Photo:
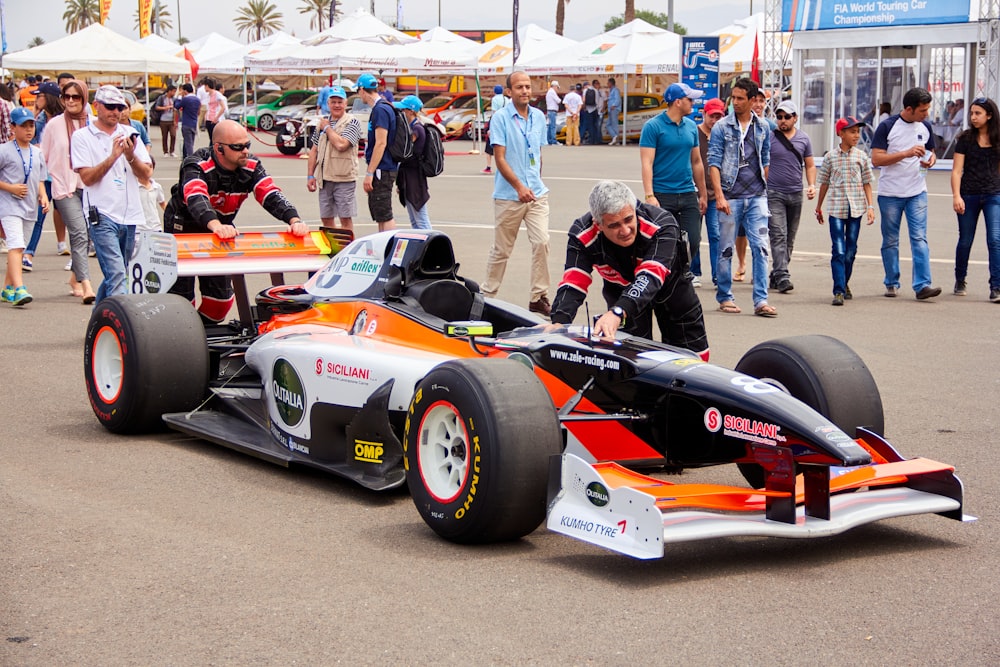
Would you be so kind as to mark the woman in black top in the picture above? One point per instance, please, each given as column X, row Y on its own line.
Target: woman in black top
column 975, row 187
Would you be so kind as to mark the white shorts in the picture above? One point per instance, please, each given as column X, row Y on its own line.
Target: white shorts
column 17, row 229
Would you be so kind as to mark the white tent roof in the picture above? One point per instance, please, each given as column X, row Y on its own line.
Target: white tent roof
column 497, row 55
column 634, row 48
column 161, row 44
column 231, row 62
column 439, row 35
column 360, row 56
column 360, row 25
column 736, row 43
column 95, row 49
column 211, row 46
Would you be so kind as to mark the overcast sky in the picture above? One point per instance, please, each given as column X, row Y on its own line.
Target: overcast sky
column 26, row 19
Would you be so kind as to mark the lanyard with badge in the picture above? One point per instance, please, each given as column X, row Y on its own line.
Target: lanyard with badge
column 25, row 165
column 517, row 122
column 743, row 162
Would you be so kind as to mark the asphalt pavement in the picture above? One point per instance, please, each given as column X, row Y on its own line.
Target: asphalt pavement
column 164, row 549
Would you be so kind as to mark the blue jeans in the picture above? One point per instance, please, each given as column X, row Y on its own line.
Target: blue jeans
column 752, row 214
column 113, row 243
column 967, row 222
column 419, row 218
column 892, row 209
column 786, row 209
column 36, row 232
column 189, row 135
column 684, row 207
column 712, row 231
column 844, row 235
column 552, row 127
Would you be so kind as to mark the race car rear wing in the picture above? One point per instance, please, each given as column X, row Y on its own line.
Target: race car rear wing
column 160, row 258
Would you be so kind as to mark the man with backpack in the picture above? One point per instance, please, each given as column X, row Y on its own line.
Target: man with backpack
column 411, row 180
column 382, row 165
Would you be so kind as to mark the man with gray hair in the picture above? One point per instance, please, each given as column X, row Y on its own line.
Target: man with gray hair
column 641, row 253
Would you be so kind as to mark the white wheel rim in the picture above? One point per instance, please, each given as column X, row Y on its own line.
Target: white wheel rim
column 107, row 365
column 443, row 452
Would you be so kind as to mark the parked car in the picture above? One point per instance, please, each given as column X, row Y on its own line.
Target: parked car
column 447, row 101
column 262, row 116
column 641, row 108
column 295, row 130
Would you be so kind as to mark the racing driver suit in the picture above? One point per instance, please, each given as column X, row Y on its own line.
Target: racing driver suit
column 650, row 276
column 206, row 192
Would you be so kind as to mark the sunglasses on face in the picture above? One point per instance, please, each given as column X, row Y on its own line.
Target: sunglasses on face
column 781, row 116
column 114, row 107
column 236, row 148
column 980, row 101
column 69, row 97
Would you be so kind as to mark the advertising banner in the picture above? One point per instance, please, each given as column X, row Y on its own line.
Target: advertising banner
column 833, row 14
column 700, row 69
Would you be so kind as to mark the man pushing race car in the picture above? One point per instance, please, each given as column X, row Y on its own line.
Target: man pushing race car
column 637, row 250
column 213, row 184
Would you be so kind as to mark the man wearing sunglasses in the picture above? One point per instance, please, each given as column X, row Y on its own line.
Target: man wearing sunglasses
column 213, row 184
column 109, row 157
column 791, row 156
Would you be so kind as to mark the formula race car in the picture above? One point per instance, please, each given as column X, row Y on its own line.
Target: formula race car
column 387, row 367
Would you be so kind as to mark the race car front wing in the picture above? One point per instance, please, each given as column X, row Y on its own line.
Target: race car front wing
column 635, row 514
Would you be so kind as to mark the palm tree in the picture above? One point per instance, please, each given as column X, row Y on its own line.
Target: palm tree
column 81, row 13
column 321, row 9
column 258, row 19
column 159, row 18
column 560, row 15
column 629, row 11
column 35, row 41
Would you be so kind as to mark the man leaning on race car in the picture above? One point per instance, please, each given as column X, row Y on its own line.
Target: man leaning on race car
column 214, row 182
column 636, row 249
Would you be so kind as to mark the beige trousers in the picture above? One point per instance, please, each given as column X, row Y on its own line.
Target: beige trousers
column 509, row 215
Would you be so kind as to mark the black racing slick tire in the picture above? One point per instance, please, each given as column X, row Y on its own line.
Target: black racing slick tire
column 291, row 148
column 825, row 374
column 143, row 356
column 479, row 435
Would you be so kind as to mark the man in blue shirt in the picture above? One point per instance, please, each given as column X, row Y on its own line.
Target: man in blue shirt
column 673, row 177
column 189, row 105
column 518, row 133
column 381, row 173
column 614, row 108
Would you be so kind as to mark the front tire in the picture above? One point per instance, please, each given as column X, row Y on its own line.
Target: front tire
column 478, row 438
column 265, row 122
column 144, row 356
column 825, row 374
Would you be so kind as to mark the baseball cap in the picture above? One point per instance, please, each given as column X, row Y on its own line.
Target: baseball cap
column 49, row 88
column 788, row 107
column 714, row 106
column 108, row 95
column 411, row 102
column 337, row 91
column 579, row 86
column 20, row 115
column 849, row 121
column 497, row 89
column 368, row 82
column 554, row 83
column 678, row 91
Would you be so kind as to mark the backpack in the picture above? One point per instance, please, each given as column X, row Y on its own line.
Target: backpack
column 432, row 160
column 154, row 113
column 401, row 143
column 591, row 98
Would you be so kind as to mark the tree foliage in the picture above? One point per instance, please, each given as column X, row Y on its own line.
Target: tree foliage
column 35, row 41
column 81, row 13
column 258, row 19
column 159, row 19
column 654, row 18
column 320, row 9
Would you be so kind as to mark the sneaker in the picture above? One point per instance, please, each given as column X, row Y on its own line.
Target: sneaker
column 891, row 291
column 838, row 299
column 90, row 250
column 995, row 295
column 26, row 264
column 7, row 295
column 69, row 266
column 785, row 286
column 21, row 297
column 542, row 306
column 960, row 288
column 486, row 171
column 928, row 292
column 62, row 248
column 847, row 292
column 696, row 281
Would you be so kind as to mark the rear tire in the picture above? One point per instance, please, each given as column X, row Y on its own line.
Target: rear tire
column 265, row 122
column 288, row 149
column 478, row 438
column 143, row 356
column 825, row 374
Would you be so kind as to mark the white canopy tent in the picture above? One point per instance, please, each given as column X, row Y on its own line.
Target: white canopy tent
column 634, row 48
column 161, row 44
column 736, row 42
column 497, row 55
column 211, row 46
column 360, row 25
column 232, row 61
column 96, row 50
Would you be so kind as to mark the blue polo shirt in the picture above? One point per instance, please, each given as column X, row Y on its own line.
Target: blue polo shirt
column 522, row 139
column 672, row 173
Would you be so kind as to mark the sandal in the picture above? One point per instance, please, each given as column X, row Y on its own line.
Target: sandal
column 765, row 310
column 729, row 307
column 89, row 299
column 738, row 276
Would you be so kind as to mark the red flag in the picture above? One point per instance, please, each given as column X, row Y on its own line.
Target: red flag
column 194, row 64
column 755, row 61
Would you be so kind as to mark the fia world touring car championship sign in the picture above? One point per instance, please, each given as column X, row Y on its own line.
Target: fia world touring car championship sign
column 832, row 14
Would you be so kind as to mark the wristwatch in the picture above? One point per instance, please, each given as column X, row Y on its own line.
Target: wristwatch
column 620, row 312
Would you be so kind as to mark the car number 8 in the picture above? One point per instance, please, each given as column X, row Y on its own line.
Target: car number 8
column 753, row 385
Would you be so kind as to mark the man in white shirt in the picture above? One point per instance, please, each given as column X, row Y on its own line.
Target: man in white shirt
column 573, row 103
column 552, row 102
column 109, row 157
